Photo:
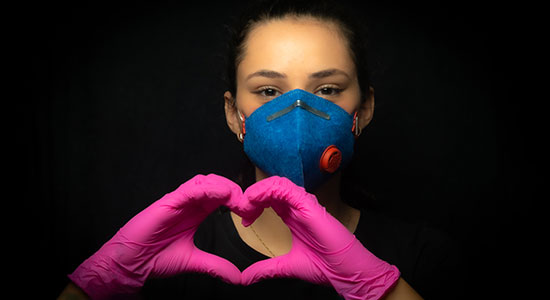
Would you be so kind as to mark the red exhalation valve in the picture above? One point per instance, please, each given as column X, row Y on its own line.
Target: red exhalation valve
column 331, row 159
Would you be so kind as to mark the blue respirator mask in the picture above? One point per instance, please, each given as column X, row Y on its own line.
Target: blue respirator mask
column 300, row 136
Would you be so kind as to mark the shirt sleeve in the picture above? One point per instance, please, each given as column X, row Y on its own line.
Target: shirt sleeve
column 439, row 270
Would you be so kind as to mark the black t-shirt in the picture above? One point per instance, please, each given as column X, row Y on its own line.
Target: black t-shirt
column 427, row 259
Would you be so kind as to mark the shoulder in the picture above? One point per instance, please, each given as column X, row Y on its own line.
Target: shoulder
column 382, row 231
column 428, row 258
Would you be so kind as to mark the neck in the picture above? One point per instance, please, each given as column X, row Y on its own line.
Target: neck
column 328, row 196
column 269, row 234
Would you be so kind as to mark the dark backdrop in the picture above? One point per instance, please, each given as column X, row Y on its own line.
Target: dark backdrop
column 124, row 102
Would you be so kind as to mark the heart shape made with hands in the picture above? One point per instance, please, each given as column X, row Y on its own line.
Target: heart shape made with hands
column 159, row 242
column 182, row 211
column 323, row 250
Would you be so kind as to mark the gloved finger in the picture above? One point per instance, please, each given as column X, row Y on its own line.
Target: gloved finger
column 215, row 266
column 248, row 211
column 184, row 208
column 286, row 198
column 250, row 216
column 207, row 192
column 276, row 267
column 262, row 194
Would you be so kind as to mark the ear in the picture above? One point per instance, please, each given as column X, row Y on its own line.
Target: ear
column 231, row 113
column 366, row 110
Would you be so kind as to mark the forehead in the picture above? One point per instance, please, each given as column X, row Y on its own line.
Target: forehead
column 296, row 44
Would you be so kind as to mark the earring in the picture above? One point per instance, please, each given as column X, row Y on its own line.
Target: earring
column 241, row 134
column 356, row 129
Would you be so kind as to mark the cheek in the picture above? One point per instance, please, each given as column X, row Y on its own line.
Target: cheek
column 247, row 104
column 350, row 106
column 351, row 101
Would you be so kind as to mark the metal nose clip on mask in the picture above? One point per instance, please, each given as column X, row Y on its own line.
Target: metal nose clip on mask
column 300, row 136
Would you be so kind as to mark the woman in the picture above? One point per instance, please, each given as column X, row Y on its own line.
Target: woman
column 297, row 98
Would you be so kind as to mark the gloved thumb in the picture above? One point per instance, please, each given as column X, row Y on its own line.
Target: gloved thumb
column 266, row 269
column 215, row 266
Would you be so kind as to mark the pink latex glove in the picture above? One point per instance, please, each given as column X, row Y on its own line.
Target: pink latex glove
column 159, row 241
column 323, row 250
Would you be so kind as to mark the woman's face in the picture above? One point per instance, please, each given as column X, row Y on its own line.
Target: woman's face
column 282, row 55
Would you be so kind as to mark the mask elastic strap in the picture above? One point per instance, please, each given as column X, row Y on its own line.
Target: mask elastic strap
column 356, row 129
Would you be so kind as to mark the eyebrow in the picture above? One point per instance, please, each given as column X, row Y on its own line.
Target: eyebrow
column 327, row 73
column 266, row 73
column 316, row 75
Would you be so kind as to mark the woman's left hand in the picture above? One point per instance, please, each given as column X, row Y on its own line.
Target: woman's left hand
column 323, row 250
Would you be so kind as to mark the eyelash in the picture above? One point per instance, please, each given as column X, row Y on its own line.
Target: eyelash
column 262, row 90
column 336, row 90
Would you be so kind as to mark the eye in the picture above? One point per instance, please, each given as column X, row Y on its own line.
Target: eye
column 267, row 92
column 328, row 91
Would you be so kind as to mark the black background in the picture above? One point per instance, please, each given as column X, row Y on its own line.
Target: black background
column 124, row 102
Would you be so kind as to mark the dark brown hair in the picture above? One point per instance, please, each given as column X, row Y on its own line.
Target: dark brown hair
column 350, row 25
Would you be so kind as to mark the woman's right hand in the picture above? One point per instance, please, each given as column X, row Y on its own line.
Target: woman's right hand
column 158, row 241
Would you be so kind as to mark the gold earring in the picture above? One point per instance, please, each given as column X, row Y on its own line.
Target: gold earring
column 241, row 134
